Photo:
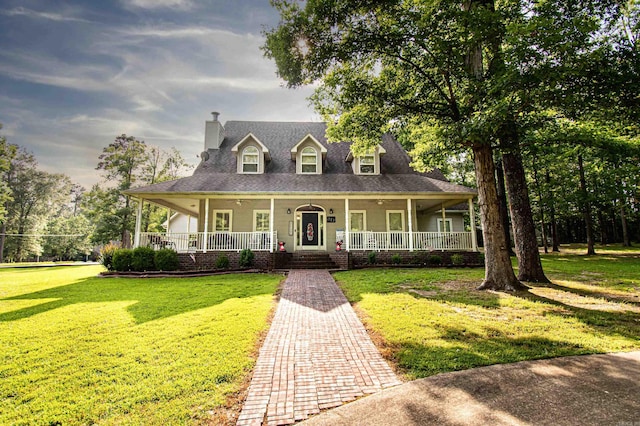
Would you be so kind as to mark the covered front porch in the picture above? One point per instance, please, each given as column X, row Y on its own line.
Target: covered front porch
column 318, row 223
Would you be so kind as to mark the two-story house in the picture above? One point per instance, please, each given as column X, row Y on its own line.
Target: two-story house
column 279, row 187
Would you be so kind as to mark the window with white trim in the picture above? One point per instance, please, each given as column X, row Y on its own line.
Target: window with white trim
column 367, row 164
column 309, row 160
column 395, row 220
column 250, row 160
column 448, row 225
column 357, row 220
column 222, row 220
column 261, row 220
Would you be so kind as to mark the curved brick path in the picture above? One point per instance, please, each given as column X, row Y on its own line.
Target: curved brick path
column 317, row 355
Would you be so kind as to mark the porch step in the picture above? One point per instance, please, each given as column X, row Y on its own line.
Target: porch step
column 311, row 261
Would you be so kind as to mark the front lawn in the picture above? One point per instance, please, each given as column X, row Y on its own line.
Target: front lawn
column 429, row 321
column 78, row 349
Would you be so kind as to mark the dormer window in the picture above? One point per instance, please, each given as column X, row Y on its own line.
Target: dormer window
column 250, row 160
column 309, row 160
column 368, row 164
column 309, row 155
column 251, row 155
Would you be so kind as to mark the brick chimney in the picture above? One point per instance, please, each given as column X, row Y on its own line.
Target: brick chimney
column 213, row 133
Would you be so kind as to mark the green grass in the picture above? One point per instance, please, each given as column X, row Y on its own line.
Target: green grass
column 79, row 349
column 433, row 320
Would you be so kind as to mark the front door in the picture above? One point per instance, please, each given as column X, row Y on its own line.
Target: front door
column 310, row 231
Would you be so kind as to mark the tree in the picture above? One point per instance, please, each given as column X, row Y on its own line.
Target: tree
column 159, row 166
column 590, row 164
column 127, row 162
column 7, row 154
column 36, row 195
column 406, row 65
column 121, row 161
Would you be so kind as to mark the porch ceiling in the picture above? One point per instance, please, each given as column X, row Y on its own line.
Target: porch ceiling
column 188, row 206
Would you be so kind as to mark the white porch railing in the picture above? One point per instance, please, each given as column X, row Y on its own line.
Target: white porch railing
column 216, row 241
column 399, row 241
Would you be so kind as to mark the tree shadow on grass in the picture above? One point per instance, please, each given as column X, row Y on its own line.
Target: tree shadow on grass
column 488, row 300
column 154, row 298
column 620, row 323
column 464, row 350
column 600, row 294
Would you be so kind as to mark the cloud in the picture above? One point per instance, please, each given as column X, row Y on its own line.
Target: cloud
column 71, row 93
column 21, row 11
column 158, row 4
column 164, row 32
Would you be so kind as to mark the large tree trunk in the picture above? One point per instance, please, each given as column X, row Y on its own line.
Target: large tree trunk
column 552, row 213
column 524, row 229
column 504, row 209
column 586, row 208
column 498, row 269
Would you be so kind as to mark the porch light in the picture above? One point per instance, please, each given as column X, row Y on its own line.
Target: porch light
column 288, row 211
column 380, row 202
column 330, row 211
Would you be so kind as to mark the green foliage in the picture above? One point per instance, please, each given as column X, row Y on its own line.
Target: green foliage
column 222, row 262
column 457, row 259
column 143, row 259
column 434, row 259
column 246, row 258
column 106, row 255
column 7, row 154
column 122, row 260
column 371, row 258
column 72, row 237
column 396, row 259
column 36, row 197
column 166, row 260
column 116, row 351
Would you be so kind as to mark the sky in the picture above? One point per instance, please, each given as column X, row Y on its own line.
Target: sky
column 75, row 74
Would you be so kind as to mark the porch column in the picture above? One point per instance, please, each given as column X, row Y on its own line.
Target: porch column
column 188, row 224
column 346, row 224
column 136, row 237
column 168, row 221
column 205, row 244
column 271, row 220
column 472, row 220
column 444, row 216
column 410, row 223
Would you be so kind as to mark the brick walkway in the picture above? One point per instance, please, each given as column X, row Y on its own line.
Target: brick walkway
column 317, row 355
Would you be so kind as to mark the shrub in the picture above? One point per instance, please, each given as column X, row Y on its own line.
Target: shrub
column 396, row 259
column 222, row 262
column 246, row 258
column 122, row 259
column 371, row 257
column 457, row 259
column 435, row 259
column 106, row 256
column 481, row 258
column 166, row 260
column 142, row 259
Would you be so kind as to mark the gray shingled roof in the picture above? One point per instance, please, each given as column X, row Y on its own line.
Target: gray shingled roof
column 218, row 173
